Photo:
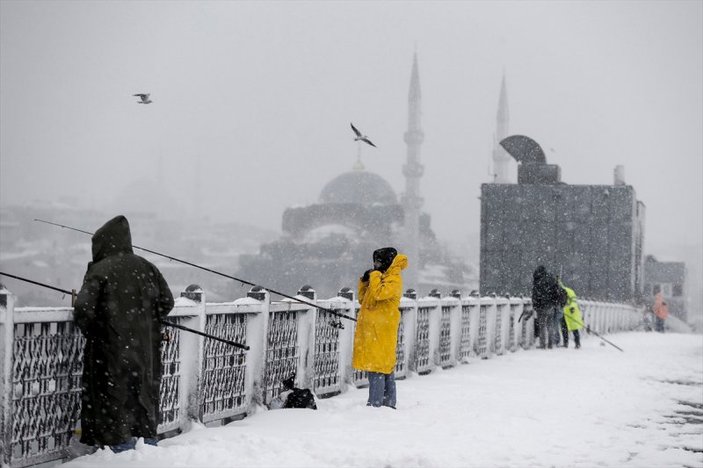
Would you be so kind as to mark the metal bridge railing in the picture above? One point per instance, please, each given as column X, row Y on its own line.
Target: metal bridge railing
column 41, row 356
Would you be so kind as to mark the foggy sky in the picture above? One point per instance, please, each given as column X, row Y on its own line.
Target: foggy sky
column 252, row 101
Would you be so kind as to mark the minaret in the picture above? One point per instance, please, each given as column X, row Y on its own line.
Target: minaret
column 501, row 158
column 412, row 170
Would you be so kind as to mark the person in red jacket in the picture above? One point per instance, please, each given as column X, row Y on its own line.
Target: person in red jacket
column 661, row 311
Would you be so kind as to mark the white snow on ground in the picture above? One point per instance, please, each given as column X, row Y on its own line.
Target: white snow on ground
column 591, row 407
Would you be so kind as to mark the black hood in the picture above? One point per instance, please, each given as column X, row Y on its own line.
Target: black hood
column 385, row 257
column 112, row 238
column 540, row 272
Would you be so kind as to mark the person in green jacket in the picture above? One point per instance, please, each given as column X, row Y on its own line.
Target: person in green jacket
column 572, row 316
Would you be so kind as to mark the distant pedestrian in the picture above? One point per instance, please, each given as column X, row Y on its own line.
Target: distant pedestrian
column 559, row 320
column 544, row 302
column 118, row 310
column 376, row 335
column 661, row 312
column 573, row 320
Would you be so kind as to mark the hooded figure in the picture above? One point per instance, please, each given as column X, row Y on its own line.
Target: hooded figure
column 545, row 299
column 572, row 311
column 545, row 291
column 376, row 334
column 118, row 310
column 572, row 317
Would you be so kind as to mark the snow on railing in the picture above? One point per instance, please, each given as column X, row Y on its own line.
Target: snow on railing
column 41, row 352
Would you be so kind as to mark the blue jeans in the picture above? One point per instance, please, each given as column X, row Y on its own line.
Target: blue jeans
column 381, row 390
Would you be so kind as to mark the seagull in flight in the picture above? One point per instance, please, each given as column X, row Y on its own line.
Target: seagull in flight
column 360, row 137
column 144, row 98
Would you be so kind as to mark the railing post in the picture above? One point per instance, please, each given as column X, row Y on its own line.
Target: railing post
column 7, row 328
column 346, row 340
column 257, row 339
column 455, row 327
column 409, row 322
column 190, row 350
column 516, row 307
column 474, row 304
column 502, row 325
column 433, row 300
column 306, row 339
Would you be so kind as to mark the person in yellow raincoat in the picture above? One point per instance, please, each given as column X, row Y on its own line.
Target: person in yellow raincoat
column 376, row 334
column 572, row 316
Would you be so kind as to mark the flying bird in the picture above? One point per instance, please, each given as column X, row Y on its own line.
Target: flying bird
column 144, row 98
column 360, row 137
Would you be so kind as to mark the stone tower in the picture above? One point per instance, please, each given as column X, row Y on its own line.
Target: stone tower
column 501, row 159
column 412, row 170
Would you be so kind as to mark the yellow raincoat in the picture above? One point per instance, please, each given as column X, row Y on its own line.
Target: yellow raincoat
column 376, row 335
column 572, row 312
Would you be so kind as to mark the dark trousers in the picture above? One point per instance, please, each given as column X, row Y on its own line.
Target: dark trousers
column 565, row 332
column 545, row 319
column 577, row 338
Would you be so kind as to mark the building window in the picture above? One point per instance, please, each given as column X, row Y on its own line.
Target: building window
column 678, row 290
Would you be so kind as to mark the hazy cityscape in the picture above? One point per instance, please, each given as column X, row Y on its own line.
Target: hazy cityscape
column 498, row 204
column 251, row 104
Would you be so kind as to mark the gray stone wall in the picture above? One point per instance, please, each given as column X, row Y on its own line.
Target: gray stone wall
column 589, row 234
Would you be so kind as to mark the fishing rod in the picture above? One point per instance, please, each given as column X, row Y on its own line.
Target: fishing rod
column 588, row 330
column 330, row 311
column 168, row 323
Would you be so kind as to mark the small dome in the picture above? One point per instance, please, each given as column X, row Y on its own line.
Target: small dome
column 359, row 187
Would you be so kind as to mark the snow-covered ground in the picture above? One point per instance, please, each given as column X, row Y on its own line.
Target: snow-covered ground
column 591, row 407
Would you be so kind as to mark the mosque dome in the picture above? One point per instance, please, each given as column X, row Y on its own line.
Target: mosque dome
column 358, row 187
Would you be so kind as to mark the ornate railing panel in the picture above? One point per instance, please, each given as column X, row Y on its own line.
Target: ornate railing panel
column 445, row 337
column 482, row 348
column 465, row 347
column 282, row 355
column 46, row 388
column 515, row 310
column 400, row 368
column 498, row 341
column 169, row 398
column 224, row 367
column 423, row 362
column 326, row 354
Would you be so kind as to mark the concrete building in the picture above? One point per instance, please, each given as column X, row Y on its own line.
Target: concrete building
column 592, row 235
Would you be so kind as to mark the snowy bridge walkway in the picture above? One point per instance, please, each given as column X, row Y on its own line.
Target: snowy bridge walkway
column 593, row 407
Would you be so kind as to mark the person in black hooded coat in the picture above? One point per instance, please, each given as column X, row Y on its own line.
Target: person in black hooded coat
column 545, row 298
column 118, row 310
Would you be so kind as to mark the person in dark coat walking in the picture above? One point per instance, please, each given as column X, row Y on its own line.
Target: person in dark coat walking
column 544, row 302
column 118, row 310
